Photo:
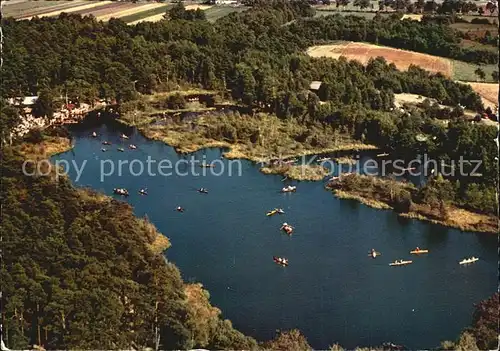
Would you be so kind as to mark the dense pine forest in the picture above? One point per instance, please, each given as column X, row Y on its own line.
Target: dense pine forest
column 77, row 270
column 78, row 273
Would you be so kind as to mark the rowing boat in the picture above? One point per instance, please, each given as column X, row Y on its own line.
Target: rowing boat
column 419, row 251
column 469, row 260
column 374, row 254
column 281, row 261
column 400, row 263
column 273, row 212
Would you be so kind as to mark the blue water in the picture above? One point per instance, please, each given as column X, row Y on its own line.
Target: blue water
column 331, row 290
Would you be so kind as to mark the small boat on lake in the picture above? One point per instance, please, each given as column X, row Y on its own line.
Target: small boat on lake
column 123, row 136
column 120, row 191
column 281, row 261
column 143, row 192
column 374, row 254
column 383, row 154
column 132, row 147
column 419, row 251
column 289, row 189
column 106, row 142
column 121, row 149
column 400, row 263
column 103, row 150
column 275, row 211
column 179, row 209
column 94, row 135
column 469, row 260
column 287, row 228
column 202, row 191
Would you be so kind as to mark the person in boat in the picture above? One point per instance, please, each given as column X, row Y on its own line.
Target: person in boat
column 94, row 134
column 143, row 192
column 203, row 190
column 179, row 209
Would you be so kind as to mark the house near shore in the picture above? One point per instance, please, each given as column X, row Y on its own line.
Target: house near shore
column 23, row 100
column 315, row 85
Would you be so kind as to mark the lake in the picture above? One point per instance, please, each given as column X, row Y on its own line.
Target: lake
column 331, row 290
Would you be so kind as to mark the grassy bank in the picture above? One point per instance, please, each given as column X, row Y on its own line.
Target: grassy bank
column 50, row 146
column 404, row 198
column 258, row 138
column 298, row 172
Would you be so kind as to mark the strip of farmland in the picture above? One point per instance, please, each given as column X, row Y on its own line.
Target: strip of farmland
column 362, row 52
column 144, row 15
column 40, row 12
column 154, row 18
column 137, row 9
column 20, row 9
column 83, row 7
column 106, row 9
column 216, row 12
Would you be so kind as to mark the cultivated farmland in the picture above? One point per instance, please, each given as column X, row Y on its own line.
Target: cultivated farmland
column 488, row 91
column 216, row 12
column 35, row 8
column 362, row 52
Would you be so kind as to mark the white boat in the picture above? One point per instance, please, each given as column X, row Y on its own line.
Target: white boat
column 123, row 136
column 400, row 263
column 289, row 189
column 94, row 134
column 469, row 260
column 132, row 147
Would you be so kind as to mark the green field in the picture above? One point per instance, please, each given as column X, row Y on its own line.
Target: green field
column 465, row 71
column 144, row 14
column 349, row 7
column 367, row 15
column 216, row 12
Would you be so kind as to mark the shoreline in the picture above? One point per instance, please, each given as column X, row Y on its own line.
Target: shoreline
column 318, row 173
column 54, row 145
column 418, row 213
column 240, row 151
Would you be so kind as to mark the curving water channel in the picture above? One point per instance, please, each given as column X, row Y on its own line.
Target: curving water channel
column 331, row 290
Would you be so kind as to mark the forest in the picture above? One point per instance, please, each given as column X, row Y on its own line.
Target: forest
column 77, row 273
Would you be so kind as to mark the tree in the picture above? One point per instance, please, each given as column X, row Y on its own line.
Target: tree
column 485, row 323
column 494, row 75
column 45, row 104
column 430, row 6
column 402, row 201
column 480, row 73
column 288, row 340
column 362, row 4
column 9, row 118
column 491, row 6
column 467, row 343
